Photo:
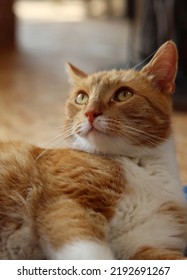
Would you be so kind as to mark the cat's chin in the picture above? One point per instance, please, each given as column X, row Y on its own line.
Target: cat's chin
column 97, row 142
column 94, row 142
column 96, row 134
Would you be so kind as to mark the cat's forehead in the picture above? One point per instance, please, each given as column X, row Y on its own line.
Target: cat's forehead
column 109, row 78
column 103, row 82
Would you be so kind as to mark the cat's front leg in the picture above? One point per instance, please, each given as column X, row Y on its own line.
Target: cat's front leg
column 69, row 231
column 81, row 250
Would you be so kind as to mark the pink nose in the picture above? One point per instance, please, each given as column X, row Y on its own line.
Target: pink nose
column 91, row 115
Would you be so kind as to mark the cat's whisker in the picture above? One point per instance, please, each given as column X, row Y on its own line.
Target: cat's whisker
column 116, row 131
column 135, row 133
column 136, row 137
column 67, row 133
column 146, row 136
column 121, row 135
column 52, row 143
column 141, row 134
column 132, row 135
column 51, row 140
column 145, row 133
column 142, row 62
column 47, row 149
column 129, row 138
column 79, row 127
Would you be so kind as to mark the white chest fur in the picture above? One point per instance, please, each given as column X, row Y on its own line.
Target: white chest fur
column 152, row 181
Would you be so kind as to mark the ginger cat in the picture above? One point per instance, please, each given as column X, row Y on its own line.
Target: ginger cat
column 114, row 191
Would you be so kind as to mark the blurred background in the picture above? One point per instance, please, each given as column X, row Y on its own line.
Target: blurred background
column 38, row 37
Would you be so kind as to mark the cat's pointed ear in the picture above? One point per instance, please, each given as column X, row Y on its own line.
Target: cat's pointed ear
column 75, row 74
column 163, row 67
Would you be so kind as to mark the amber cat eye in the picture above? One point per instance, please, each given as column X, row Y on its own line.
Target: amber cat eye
column 82, row 98
column 122, row 94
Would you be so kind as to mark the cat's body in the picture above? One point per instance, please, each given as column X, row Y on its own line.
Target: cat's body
column 115, row 192
column 63, row 197
column 150, row 214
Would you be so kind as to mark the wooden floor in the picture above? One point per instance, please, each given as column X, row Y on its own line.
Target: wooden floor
column 34, row 84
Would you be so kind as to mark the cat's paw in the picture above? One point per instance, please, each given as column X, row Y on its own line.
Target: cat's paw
column 82, row 250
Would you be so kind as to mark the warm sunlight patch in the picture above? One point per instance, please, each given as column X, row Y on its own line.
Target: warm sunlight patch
column 51, row 10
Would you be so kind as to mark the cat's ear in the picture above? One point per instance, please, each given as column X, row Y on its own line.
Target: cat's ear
column 75, row 74
column 163, row 67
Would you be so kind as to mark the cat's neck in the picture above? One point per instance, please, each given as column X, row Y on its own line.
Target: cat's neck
column 162, row 156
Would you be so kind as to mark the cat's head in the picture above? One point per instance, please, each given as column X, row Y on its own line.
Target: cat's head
column 120, row 111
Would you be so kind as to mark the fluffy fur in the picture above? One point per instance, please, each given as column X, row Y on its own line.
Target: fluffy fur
column 114, row 191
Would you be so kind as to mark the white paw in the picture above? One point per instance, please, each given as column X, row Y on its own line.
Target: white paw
column 82, row 250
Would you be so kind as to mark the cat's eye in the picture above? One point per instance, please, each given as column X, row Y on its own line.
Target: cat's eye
column 123, row 94
column 82, row 98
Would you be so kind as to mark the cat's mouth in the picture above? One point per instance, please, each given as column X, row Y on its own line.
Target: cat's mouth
column 92, row 131
column 95, row 131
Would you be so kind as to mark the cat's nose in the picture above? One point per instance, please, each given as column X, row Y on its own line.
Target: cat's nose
column 91, row 115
